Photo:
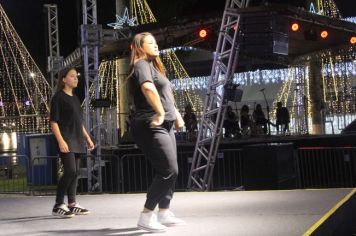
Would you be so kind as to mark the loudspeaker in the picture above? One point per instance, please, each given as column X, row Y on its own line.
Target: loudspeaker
column 269, row 166
column 232, row 93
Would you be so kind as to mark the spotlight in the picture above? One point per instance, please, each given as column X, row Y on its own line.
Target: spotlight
column 324, row 34
column 353, row 40
column 203, row 33
column 295, row 27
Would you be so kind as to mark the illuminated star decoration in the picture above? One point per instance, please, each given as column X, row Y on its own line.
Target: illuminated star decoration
column 312, row 8
column 120, row 21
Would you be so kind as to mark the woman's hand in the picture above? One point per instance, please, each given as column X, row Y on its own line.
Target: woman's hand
column 63, row 147
column 157, row 120
column 90, row 144
column 179, row 123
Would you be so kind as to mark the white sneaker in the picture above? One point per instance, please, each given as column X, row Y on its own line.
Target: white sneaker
column 169, row 219
column 62, row 211
column 78, row 210
column 148, row 221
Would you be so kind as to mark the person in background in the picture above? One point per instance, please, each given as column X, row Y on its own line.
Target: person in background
column 259, row 118
column 245, row 120
column 231, row 124
column 66, row 123
column 283, row 119
column 191, row 123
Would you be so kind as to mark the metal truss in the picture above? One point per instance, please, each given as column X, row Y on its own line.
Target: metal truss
column 74, row 58
column 223, row 68
column 107, row 36
column 90, row 42
column 55, row 61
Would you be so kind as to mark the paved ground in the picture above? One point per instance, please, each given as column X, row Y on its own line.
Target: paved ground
column 211, row 213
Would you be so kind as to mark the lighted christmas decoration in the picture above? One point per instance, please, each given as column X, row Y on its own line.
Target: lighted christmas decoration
column 24, row 92
column 121, row 21
column 328, row 8
column 325, row 8
column 339, row 83
column 245, row 79
column 142, row 12
column 340, row 80
column 176, row 70
column 350, row 19
column 108, row 82
column 183, row 48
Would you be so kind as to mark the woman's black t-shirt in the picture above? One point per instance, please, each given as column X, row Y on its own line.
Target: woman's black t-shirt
column 67, row 112
column 144, row 71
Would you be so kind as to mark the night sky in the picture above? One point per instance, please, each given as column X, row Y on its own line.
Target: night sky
column 28, row 18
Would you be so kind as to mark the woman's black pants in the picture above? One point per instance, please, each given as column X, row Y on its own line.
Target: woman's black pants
column 159, row 146
column 68, row 182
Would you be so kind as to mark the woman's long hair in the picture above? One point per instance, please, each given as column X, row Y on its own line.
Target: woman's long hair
column 138, row 53
column 62, row 74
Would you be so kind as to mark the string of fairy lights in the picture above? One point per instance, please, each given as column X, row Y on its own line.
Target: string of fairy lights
column 325, row 8
column 24, row 92
column 108, row 81
column 339, row 88
column 176, row 70
column 350, row 19
column 328, row 8
column 142, row 12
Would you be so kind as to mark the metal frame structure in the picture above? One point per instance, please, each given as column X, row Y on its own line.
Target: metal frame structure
column 55, row 61
column 90, row 42
column 223, row 68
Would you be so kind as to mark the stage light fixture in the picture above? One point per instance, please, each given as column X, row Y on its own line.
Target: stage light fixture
column 324, row 34
column 295, row 27
column 353, row 40
column 203, row 33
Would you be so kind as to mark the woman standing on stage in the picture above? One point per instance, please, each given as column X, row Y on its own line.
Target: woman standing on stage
column 67, row 126
column 152, row 129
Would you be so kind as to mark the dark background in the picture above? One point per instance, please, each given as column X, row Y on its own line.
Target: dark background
column 29, row 20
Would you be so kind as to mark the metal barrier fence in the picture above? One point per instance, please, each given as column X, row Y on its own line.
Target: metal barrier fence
column 137, row 173
column 228, row 170
column 45, row 172
column 317, row 167
column 14, row 173
column 323, row 167
column 110, row 175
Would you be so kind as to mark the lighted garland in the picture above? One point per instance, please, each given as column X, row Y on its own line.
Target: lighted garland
column 24, row 92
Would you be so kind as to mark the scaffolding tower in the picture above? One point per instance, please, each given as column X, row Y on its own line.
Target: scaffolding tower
column 55, row 61
column 222, row 72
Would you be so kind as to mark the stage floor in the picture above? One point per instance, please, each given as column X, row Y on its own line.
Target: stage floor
column 290, row 212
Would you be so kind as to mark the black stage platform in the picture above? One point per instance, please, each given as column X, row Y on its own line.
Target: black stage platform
column 291, row 212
